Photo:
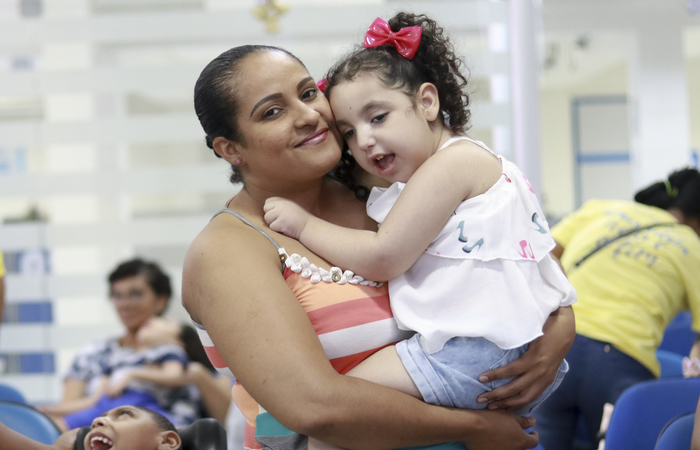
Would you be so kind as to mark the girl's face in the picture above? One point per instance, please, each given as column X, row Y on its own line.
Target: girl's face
column 129, row 428
column 388, row 135
column 287, row 125
column 158, row 331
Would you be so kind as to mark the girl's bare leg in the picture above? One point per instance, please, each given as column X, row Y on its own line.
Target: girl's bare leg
column 384, row 367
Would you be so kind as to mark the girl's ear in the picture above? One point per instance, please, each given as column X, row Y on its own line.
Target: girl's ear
column 428, row 101
column 228, row 150
column 169, row 440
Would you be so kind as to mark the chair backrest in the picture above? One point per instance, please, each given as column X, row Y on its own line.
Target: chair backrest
column 677, row 434
column 679, row 335
column 10, row 394
column 671, row 364
column 28, row 421
column 642, row 411
column 202, row 434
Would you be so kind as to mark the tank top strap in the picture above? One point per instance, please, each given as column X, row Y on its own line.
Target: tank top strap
column 280, row 250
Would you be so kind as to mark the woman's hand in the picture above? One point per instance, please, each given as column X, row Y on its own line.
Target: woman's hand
column 499, row 431
column 66, row 441
column 116, row 387
column 536, row 368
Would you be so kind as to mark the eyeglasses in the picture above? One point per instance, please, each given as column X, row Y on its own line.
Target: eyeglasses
column 133, row 296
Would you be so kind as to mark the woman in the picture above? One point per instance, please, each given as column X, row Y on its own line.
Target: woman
column 262, row 112
column 634, row 266
column 140, row 290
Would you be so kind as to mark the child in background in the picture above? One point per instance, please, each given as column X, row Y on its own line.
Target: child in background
column 463, row 239
column 159, row 364
column 125, row 428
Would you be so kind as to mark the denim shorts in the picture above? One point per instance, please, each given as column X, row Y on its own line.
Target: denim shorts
column 450, row 377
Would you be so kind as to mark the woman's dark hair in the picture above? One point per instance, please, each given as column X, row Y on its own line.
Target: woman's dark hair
column 158, row 280
column 216, row 97
column 160, row 420
column 435, row 62
column 681, row 191
column 193, row 347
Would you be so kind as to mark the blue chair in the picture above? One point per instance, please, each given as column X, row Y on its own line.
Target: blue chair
column 642, row 411
column 679, row 336
column 10, row 394
column 28, row 421
column 671, row 364
column 677, row 434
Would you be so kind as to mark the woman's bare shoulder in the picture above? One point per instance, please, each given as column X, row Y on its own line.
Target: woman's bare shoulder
column 222, row 253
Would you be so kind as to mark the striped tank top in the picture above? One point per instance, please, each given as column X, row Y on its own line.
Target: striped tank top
column 350, row 315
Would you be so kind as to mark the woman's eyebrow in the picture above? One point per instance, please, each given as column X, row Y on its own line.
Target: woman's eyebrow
column 278, row 95
column 265, row 99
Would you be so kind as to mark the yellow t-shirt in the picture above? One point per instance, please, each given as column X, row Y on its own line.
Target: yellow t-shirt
column 633, row 287
column 2, row 265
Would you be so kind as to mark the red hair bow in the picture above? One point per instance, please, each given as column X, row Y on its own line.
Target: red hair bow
column 322, row 84
column 406, row 40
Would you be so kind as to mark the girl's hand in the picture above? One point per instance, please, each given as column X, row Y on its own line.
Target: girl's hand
column 285, row 216
column 537, row 368
column 500, row 431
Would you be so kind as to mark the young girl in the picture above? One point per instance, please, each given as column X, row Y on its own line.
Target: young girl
column 465, row 245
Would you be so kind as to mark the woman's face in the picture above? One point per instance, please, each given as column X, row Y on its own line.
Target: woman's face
column 135, row 301
column 129, row 428
column 287, row 127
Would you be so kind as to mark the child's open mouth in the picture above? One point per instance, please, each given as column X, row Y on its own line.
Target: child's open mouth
column 384, row 161
column 101, row 442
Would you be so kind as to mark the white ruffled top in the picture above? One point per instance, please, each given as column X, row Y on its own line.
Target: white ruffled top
column 487, row 274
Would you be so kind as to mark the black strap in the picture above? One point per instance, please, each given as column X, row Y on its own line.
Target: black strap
column 620, row 236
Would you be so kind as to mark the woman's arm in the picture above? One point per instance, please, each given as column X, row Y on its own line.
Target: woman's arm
column 12, row 440
column 215, row 391
column 74, row 399
column 233, row 286
column 426, row 203
column 169, row 373
column 537, row 367
column 695, row 440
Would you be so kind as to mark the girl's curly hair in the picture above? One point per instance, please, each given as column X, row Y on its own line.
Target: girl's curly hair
column 434, row 62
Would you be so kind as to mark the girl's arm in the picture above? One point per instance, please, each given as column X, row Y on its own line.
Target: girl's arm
column 233, row 286
column 424, row 206
column 537, row 367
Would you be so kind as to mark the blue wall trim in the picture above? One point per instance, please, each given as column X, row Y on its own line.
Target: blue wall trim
column 592, row 158
column 30, row 362
column 29, row 312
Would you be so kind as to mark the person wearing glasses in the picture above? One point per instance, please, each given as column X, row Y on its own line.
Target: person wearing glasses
column 140, row 291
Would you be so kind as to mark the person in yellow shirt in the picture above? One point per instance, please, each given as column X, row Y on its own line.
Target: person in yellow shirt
column 635, row 266
column 2, row 287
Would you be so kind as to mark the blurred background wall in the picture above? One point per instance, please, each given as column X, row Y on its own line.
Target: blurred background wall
column 102, row 157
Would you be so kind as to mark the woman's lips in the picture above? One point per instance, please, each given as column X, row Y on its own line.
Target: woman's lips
column 315, row 138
